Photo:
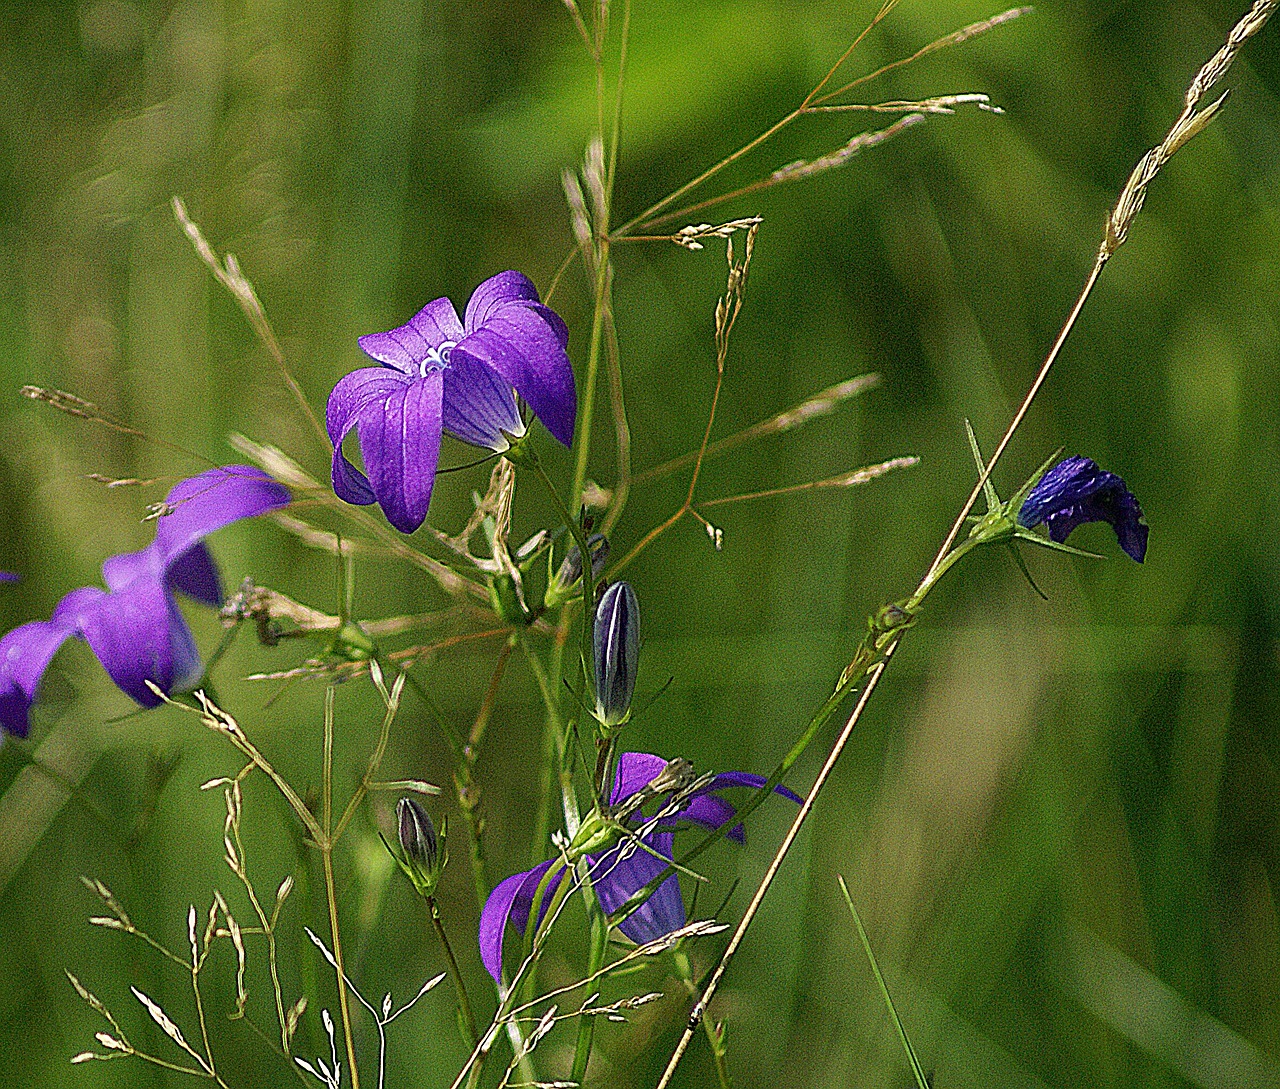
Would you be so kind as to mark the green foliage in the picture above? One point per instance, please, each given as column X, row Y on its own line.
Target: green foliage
column 1060, row 816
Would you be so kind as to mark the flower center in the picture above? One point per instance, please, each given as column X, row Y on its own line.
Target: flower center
column 437, row 359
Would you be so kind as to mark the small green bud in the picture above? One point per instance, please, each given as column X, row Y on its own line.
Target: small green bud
column 506, row 600
column 596, row 833
column 565, row 584
column 352, row 644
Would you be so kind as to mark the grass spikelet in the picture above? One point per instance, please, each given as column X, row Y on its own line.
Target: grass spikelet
column 1190, row 123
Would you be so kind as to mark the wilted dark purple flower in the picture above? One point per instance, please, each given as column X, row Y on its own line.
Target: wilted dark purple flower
column 621, row 871
column 1076, row 491
column 442, row 374
column 134, row 626
column 617, row 652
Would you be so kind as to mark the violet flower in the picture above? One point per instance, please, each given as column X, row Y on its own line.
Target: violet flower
column 134, row 626
column 1076, row 491
column 442, row 374
column 623, row 870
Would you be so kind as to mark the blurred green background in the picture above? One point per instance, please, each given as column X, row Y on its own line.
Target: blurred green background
column 1060, row 820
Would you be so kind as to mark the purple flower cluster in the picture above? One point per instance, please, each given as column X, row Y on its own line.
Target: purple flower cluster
column 624, row 870
column 1076, row 491
column 134, row 626
column 440, row 374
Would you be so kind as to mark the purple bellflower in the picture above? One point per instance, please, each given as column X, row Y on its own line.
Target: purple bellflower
column 623, row 870
column 1076, row 491
column 441, row 374
column 134, row 626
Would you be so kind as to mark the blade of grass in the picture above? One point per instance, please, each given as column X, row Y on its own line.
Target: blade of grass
column 921, row 1081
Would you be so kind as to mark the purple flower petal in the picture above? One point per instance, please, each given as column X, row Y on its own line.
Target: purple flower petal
column 1076, row 491
column 512, row 901
column 1071, row 480
column 138, row 634
column 215, row 498
column 400, row 442
column 748, row 779
column 620, row 873
column 9, row 576
column 496, row 291
column 635, row 771
column 195, row 574
column 353, row 394
column 711, row 811
column 522, row 346
column 25, row 654
column 119, row 571
column 479, row 404
column 407, row 346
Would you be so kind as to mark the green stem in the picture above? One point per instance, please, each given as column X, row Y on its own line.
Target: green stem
column 593, row 367
column 527, row 458
column 458, row 982
column 330, row 886
column 684, row 969
column 595, row 961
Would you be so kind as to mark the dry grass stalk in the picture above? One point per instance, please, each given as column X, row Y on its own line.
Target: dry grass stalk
column 1189, row 124
column 227, row 273
column 956, row 37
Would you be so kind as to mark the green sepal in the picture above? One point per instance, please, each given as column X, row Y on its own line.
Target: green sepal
column 1044, row 542
column 351, row 644
column 505, row 600
column 1026, row 573
column 1015, row 504
column 988, row 489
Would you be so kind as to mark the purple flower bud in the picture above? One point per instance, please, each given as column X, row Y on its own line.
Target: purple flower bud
column 422, row 858
column 617, row 649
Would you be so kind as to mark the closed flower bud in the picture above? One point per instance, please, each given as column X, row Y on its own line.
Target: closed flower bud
column 423, row 860
column 617, row 649
column 562, row 587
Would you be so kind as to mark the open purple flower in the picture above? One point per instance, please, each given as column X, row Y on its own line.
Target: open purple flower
column 1076, row 491
column 134, row 626
column 624, row 870
column 441, row 374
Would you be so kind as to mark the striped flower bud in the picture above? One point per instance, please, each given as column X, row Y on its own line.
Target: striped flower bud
column 617, row 649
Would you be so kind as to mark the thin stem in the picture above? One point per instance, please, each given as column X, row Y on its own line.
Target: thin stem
column 684, row 969
column 375, row 761
column 709, row 991
column 593, row 370
column 330, row 886
column 459, row 983
column 530, row 460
